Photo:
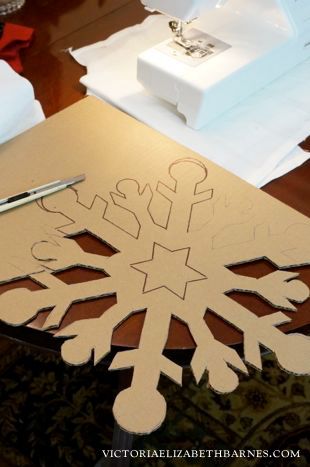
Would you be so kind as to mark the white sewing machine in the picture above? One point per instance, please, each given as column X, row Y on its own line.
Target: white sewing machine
column 230, row 49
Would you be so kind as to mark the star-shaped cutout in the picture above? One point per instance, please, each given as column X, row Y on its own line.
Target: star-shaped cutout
column 168, row 269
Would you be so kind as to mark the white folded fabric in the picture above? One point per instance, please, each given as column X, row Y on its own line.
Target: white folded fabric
column 291, row 161
column 256, row 140
column 19, row 110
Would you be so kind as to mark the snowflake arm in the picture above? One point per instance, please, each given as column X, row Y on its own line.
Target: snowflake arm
column 187, row 176
column 276, row 288
column 57, row 295
column 286, row 249
column 92, row 336
column 210, row 355
column 131, row 198
column 215, row 358
column 263, row 330
column 64, row 253
column 142, row 403
column 81, row 218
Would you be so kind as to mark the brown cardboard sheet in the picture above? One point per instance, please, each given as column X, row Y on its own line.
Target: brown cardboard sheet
column 177, row 221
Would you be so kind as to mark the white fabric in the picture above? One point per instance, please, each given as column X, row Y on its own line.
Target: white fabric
column 19, row 110
column 293, row 159
column 256, row 140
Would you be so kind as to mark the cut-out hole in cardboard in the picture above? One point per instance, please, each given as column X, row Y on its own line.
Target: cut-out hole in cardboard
column 25, row 283
column 92, row 244
column 257, row 269
column 78, row 274
column 131, row 328
column 90, row 309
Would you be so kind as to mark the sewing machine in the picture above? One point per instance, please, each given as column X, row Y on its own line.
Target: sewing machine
column 222, row 51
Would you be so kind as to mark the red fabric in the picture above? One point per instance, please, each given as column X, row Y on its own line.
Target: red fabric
column 14, row 38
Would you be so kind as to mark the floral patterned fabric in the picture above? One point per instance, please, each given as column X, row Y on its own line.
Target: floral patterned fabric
column 54, row 415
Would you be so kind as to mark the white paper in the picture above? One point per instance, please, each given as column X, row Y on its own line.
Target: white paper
column 251, row 140
column 19, row 110
column 294, row 159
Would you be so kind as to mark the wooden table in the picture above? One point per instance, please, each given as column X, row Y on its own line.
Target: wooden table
column 55, row 77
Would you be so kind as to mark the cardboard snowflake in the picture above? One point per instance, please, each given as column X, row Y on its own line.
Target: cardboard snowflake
column 171, row 262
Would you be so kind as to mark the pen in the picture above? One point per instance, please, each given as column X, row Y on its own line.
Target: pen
column 35, row 193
